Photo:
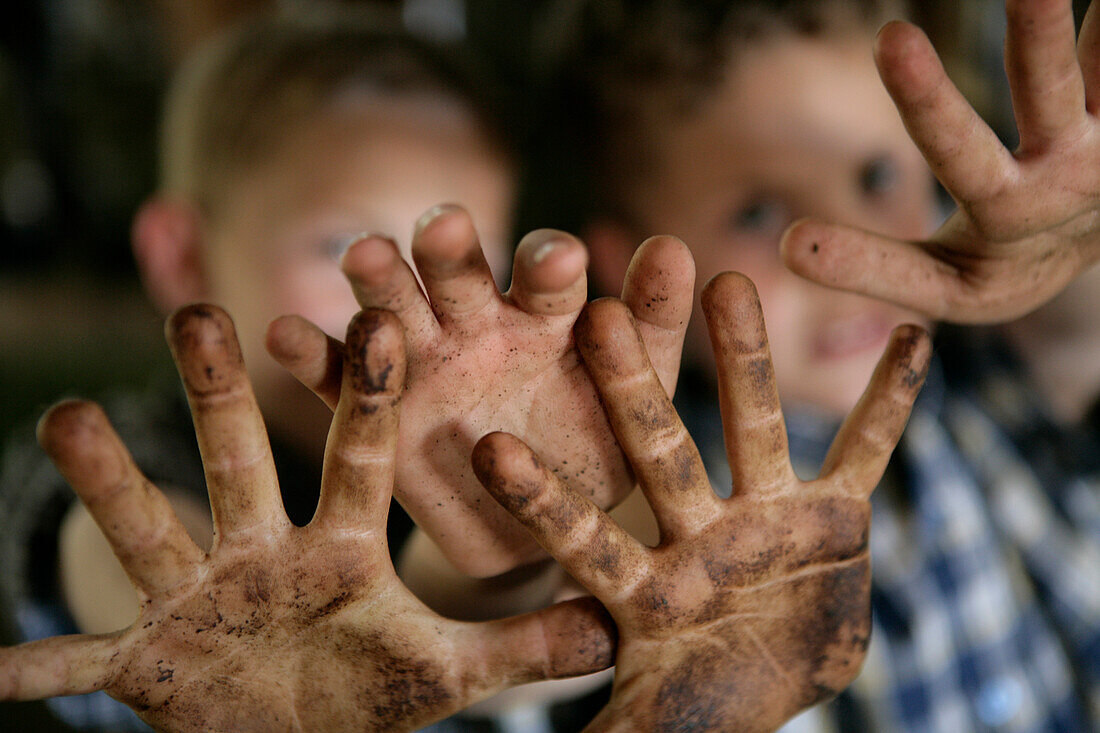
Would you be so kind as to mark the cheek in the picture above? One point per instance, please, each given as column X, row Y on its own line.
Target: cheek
column 316, row 291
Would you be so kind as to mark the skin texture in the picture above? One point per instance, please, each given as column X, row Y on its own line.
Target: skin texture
column 279, row 627
column 1028, row 221
column 482, row 361
column 750, row 608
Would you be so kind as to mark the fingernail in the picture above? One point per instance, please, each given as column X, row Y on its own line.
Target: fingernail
column 543, row 250
column 433, row 213
column 362, row 237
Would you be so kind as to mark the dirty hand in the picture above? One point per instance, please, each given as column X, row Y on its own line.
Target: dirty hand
column 482, row 361
column 750, row 608
column 1027, row 222
column 279, row 627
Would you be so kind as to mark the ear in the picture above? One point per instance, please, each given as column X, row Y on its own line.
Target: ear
column 167, row 238
column 610, row 247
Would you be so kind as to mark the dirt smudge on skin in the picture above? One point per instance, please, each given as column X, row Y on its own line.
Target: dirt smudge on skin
column 374, row 358
column 698, row 695
column 404, row 686
column 205, row 346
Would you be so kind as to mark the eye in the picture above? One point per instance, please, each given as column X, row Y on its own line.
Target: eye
column 762, row 217
column 879, row 176
column 333, row 247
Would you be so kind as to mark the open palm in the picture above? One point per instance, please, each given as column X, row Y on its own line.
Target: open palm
column 482, row 361
column 1028, row 222
column 279, row 627
column 750, row 608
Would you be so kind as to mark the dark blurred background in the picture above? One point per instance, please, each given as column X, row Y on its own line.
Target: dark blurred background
column 80, row 82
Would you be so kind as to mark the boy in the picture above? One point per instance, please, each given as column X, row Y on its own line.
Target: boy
column 283, row 141
column 723, row 124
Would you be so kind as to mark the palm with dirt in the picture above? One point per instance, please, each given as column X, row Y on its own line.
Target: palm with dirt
column 279, row 627
column 482, row 361
column 750, row 608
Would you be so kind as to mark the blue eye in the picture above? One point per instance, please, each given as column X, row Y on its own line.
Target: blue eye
column 762, row 217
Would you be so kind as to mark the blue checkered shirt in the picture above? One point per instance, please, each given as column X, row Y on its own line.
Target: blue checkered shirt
column 985, row 554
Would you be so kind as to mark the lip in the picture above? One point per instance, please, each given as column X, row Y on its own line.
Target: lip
column 848, row 336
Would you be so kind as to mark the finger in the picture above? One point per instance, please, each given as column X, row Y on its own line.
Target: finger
column 312, row 356
column 549, row 274
column 240, row 472
column 138, row 522
column 357, row 479
column 381, row 278
column 451, row 264
column 900, row 272
column 664, row 458
column 1048, row 93
column 659, row 291
column 755, row 432
column 1088, row 55
column 565, row 640
column 962, row 151
column 62, row 665
column 588, row 544
column 860, row 451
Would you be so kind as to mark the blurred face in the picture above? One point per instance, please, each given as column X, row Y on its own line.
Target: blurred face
column 802, row 127
column 275, row 244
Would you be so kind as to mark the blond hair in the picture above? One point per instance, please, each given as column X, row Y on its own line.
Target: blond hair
column 234, row 99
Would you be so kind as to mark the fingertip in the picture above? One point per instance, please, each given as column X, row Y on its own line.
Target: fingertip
column 508, row 469
column 444, row 232
column 902, row 53
column 376, row 351
column 286, row 338
column 495, row 452
column 68, row 422
column 604, row 328
column 667, row 253
column 734, row 317
column 731, row 294
column 434, row 214
column 801, row 243
column 204, row 344
column 369, row 258
column 819, row 251
column 660, row 282
column 549, row 261
column 911, row 349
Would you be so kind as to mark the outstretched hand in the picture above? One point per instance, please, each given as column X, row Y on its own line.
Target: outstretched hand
column 1027, row 222
column 279, row 627
column 482, row 361
column 750, row 608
